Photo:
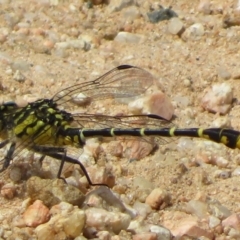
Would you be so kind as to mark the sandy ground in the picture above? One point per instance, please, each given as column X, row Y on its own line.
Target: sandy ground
column 35, row 64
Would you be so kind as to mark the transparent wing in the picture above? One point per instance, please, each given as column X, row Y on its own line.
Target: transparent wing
column 122, row 81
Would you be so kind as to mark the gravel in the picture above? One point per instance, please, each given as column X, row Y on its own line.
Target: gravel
column 183, row 187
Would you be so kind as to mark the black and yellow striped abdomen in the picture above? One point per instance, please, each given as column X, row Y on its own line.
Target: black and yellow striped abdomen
column 228, row 137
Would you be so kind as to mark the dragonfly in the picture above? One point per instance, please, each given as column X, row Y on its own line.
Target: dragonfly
column 44, row 127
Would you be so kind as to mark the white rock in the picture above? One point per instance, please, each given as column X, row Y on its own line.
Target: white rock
column 236, row 172
column 104, row 220
column 213, row 221
column 194, row 32
column 197, row 208
column 142, row 209
column 18, row 76
column 221, row 162
column 218, row 99
column 175, row 26
column 162, row 232
column 77, row 43
column 126, row 37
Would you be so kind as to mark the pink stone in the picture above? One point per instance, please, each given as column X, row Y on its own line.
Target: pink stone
column 36, row 214
column 159, row 104
column 232, row 221
column 191, row 228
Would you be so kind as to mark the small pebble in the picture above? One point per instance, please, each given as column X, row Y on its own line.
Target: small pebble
column 218, row 98
column 158, row 199
column 157, row 103
column 136, row 149
column 145, row 236
column 15, row 173
column 175, row 26
column 223, row 73
column 142, row 209
column 104, row 220
column 191, row 228
column 18, row 76
column 131, row 13
column 118, row 5
column 204, row 6
column 236, row 172
column 162, row 232
column 8, row 191
column 232, row 221
column 36, row 214
column 219, row 211
column 126, row 37
column 101, row 175
column 194, row 32
column 197, row 208
column 222, row 174
column 213, row 221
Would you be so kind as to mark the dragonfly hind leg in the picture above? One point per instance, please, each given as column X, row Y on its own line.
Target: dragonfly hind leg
column 60, row 153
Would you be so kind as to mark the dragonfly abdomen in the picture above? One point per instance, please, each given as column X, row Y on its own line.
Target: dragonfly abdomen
column 228, row 137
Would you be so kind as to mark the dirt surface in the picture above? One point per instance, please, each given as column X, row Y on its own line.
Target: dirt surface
column 39, row 58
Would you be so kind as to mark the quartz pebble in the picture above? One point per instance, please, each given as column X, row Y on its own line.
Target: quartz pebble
column 162, row 232
column 236, row 172
column 102, row 219
column 126, row 37
column 142, row 209
column 218, row 99
column 18, row 76
column 213, row 221
column 158, row 199
column 194, row 32
column 197, row 208
column 175, row 26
